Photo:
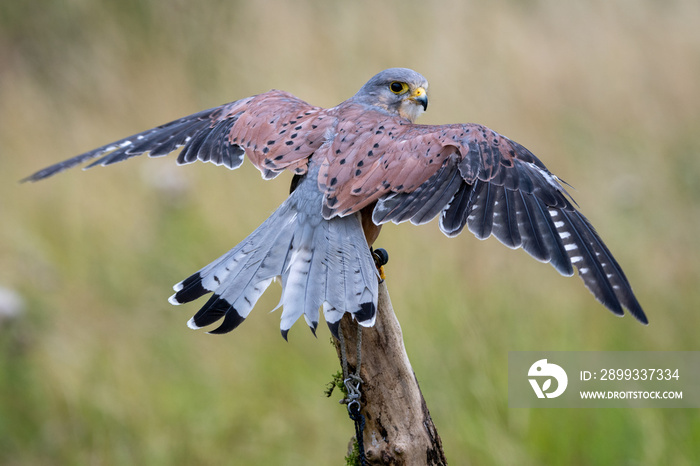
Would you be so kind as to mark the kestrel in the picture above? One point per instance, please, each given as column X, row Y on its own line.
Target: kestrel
column 357, row 166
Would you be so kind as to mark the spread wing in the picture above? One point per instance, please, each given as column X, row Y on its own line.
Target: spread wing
column 471, row 176
column 276, row 130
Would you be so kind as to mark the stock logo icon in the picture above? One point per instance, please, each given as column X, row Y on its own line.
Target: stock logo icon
column 543, row 371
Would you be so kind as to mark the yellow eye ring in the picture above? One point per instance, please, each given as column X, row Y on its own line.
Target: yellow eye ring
column 398, row 87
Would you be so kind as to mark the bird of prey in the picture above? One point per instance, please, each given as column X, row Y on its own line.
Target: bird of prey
column 357, row 166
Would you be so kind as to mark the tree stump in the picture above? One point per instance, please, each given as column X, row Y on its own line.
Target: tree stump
column 398, row 428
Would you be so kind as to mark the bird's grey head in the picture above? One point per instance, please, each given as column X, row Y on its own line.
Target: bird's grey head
column 399, row 91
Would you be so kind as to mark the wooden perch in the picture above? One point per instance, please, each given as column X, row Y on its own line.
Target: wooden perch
column 398, row 429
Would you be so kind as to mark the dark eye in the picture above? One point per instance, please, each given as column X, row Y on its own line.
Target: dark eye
column 398, row 87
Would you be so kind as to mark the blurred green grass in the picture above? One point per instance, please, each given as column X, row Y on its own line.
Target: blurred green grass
column 100, row 369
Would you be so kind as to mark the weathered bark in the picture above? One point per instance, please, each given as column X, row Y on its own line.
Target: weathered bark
column 398, row 429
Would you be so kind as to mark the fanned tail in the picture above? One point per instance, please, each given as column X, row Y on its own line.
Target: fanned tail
column 321, row 263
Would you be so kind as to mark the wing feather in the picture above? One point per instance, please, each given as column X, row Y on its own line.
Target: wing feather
column 276, row 130
column 423, row 204
column 471, row 176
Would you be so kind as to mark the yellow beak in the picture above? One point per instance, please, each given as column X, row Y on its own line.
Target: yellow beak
column 420, row 96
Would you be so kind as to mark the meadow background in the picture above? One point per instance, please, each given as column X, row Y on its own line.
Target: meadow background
column 98, row 368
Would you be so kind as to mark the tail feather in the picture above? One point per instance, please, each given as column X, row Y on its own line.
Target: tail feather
column 321, row 263
column 243, row 266
column 303, row 278
column 356, row 277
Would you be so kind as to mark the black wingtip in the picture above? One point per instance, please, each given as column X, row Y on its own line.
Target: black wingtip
column 636, row 310
column 284, row 334
column 41, row 174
